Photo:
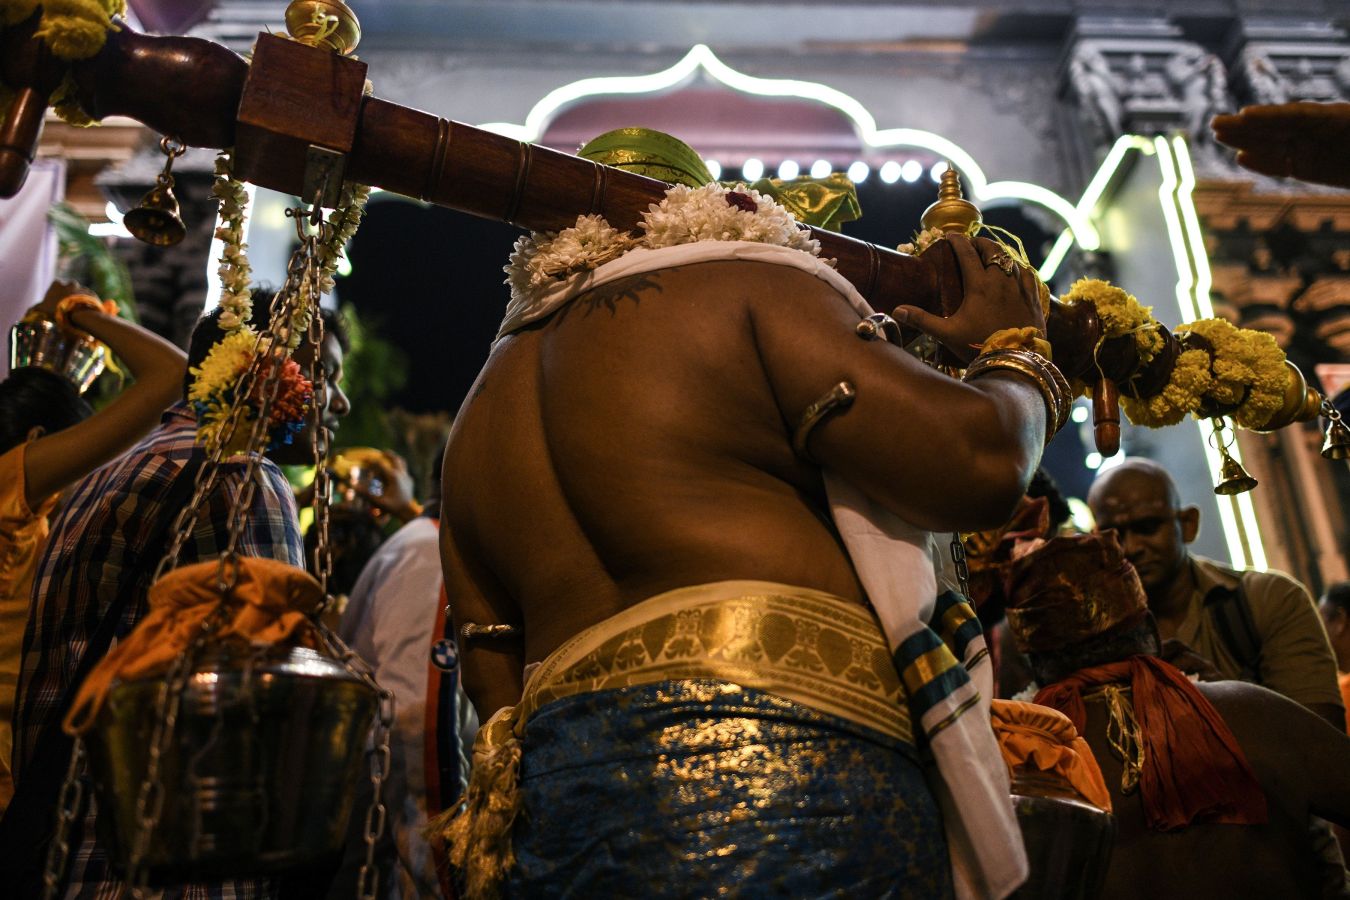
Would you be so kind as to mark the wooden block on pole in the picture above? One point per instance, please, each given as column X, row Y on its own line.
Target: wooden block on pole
column 296, row 97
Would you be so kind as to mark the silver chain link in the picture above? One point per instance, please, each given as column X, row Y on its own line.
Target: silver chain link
column 168, row 702
column 368, row 878
column 958, row 550
column 300, row 294
column 67, row 810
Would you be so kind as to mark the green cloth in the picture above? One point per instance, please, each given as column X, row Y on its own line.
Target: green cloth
column 826, row 202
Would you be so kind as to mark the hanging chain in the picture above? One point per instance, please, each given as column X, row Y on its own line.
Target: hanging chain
column 958, row 550
column 368, row 878
column 67, row 810
column 270, row 354
column 168, row 703
column 320, row 444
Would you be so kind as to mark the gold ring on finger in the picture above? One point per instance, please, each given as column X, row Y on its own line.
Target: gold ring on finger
column 1004, row 262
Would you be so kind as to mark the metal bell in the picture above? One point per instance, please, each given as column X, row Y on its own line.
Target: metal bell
column 156, row 220
column 1337, row 443
column 1233, row 479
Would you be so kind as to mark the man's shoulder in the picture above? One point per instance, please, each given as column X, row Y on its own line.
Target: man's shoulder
column 1256, row 584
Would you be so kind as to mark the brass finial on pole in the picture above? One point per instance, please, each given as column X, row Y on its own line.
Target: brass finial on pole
column 952, row 212
column 326, row 24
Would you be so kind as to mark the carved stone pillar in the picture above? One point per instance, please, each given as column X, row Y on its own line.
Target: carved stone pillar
column 1137, row 76
column 1280, row 258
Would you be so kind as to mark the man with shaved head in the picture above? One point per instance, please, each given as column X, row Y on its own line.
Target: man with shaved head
column 1257, row 626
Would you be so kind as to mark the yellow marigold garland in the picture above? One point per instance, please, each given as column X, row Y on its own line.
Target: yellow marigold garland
column 71, row 29
column 1120, row 313
column 216, row 380
column 1184, row 392
column 1245, row 362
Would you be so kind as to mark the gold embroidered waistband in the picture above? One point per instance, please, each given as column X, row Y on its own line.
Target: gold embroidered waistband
column 806, row 646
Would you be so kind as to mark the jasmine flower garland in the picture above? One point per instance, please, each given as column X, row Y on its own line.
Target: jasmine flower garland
column 686, row 215
column 236, row 295
column 214, row 390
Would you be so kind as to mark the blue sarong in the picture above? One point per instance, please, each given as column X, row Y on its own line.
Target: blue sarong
column 731, row 739
column 700, row 788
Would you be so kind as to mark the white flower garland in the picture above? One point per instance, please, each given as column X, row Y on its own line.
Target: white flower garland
column 236, row 294
column 686, row 215
column 922, row 241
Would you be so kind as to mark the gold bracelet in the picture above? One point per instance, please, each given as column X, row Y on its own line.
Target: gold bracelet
column 1035, row 368
column 472, row 630
column 1054, row 388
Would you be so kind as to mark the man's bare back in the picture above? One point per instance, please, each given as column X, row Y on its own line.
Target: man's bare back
column 639, row 440
column 1302, row 764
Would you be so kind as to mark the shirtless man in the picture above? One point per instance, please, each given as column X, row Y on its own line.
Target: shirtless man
column 639, row 441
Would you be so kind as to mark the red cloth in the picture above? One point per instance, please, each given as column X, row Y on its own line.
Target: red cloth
column 1193, row 769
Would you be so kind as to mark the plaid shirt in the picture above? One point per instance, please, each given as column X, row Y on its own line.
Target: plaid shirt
column 105, row 525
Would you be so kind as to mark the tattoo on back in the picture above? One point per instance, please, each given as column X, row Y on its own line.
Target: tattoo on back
column 609, row 295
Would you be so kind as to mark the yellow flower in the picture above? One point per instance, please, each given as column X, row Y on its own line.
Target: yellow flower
column 1248, row 366
column 1183, row 394
column 1120, row 313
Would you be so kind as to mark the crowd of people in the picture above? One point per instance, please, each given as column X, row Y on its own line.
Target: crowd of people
column 677, row 620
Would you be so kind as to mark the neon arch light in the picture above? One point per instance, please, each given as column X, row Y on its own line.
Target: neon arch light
column 700, row 56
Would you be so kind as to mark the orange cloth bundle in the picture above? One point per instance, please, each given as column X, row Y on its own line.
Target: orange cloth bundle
column 1193, row 769
column 271, row 603
column 1040, row 738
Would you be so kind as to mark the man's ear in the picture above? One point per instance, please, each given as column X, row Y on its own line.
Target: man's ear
column 35, row 432
column 1189, row 519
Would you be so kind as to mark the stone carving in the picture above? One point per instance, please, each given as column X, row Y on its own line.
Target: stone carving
column 1199, row 80
column 1279, row 73
column 1147, row 86
column 1098, row 89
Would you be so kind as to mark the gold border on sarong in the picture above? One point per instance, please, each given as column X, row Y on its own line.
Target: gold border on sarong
column 807, row 646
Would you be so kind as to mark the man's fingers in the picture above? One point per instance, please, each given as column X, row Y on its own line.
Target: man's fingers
column 1266, row 162
column 967, row 255
column 934, row 326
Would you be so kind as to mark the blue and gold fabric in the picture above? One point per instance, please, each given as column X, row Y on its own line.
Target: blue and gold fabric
column 755, row 733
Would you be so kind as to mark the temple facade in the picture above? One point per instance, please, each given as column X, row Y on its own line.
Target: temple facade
column 1081, row 124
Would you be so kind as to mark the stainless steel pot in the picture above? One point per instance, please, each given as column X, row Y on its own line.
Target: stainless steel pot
column 1068, row 840
column 39, row 342
column 260, row 775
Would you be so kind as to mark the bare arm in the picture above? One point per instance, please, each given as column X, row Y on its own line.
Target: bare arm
column 1296, row 749
column 56, row 460
column 941, row 453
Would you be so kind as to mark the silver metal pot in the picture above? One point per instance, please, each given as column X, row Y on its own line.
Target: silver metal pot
column 260, row 775
column 1068, row 841
column 40, row 343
